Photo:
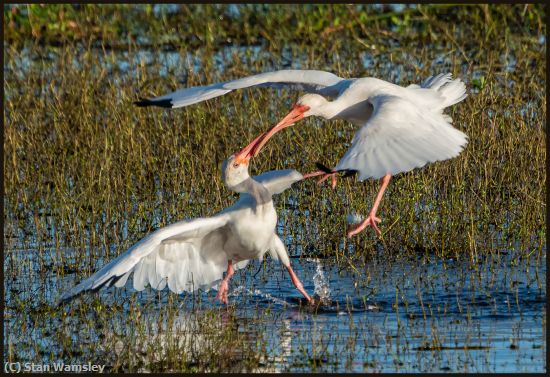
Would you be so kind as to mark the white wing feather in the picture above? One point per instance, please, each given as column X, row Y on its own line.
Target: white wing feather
column 307, row 80
column 186, row 255
column 399, row 137
column 452, row 91
column 277, row 181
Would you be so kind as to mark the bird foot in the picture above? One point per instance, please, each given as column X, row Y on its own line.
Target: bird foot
column 371, row 220
column 323, row 176
column 222, row 293
column 326, row 176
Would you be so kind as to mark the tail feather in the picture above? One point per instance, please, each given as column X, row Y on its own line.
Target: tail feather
column 452, row 91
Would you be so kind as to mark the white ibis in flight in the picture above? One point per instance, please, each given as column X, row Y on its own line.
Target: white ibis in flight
column 399, row 128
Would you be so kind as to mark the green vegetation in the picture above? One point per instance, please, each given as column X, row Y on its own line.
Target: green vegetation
column 85, row 170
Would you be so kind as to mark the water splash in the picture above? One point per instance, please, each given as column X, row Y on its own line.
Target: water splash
column 354, row 218
column 320, row 281
column 257, row 292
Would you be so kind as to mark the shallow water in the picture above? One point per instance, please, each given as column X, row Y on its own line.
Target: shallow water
column 415, row 316
column 397, row 314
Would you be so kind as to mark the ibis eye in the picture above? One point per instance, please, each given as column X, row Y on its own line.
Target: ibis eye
column 235, row 164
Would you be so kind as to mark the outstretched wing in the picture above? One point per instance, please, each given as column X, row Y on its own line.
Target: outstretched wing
column 186, row 256
column 307, row 80
column 277, row 181
column 399, row 137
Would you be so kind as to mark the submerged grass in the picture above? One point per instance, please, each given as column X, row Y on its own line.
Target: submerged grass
column 86, row 170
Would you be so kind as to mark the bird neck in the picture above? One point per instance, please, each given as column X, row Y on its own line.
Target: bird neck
column 255, row 189
column 354, row 110
column 329, row 110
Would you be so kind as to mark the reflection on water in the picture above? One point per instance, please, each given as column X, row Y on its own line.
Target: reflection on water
column 420, row 315
column 415, row 315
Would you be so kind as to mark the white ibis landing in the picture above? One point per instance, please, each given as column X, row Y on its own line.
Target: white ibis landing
column 399, row 128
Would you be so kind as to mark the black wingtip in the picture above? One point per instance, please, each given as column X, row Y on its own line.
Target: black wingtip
column 349, row 172
column 324, row 168
column 151, row 102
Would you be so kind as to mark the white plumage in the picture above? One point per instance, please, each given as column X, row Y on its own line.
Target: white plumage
column 308, row 80
column 193, row 254
column 391, row 142
column 394, row 141
column 399, row 128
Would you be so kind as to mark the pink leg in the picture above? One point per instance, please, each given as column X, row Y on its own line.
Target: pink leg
column 324, row 177
column 297, row 283
column 224, row 285
column 371, row 219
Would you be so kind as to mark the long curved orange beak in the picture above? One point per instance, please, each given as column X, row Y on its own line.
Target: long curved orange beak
column 244, row 156
column 258, row 143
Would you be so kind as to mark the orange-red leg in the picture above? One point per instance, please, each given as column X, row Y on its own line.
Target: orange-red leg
column 224, row 285
column 297, row 283
column 371, row 219
column 324, row 177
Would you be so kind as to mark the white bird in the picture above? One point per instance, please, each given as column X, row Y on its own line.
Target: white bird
column 400, row 128
column 193, row 254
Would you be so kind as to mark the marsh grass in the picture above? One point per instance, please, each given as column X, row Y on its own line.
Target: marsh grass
column 87, row 171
